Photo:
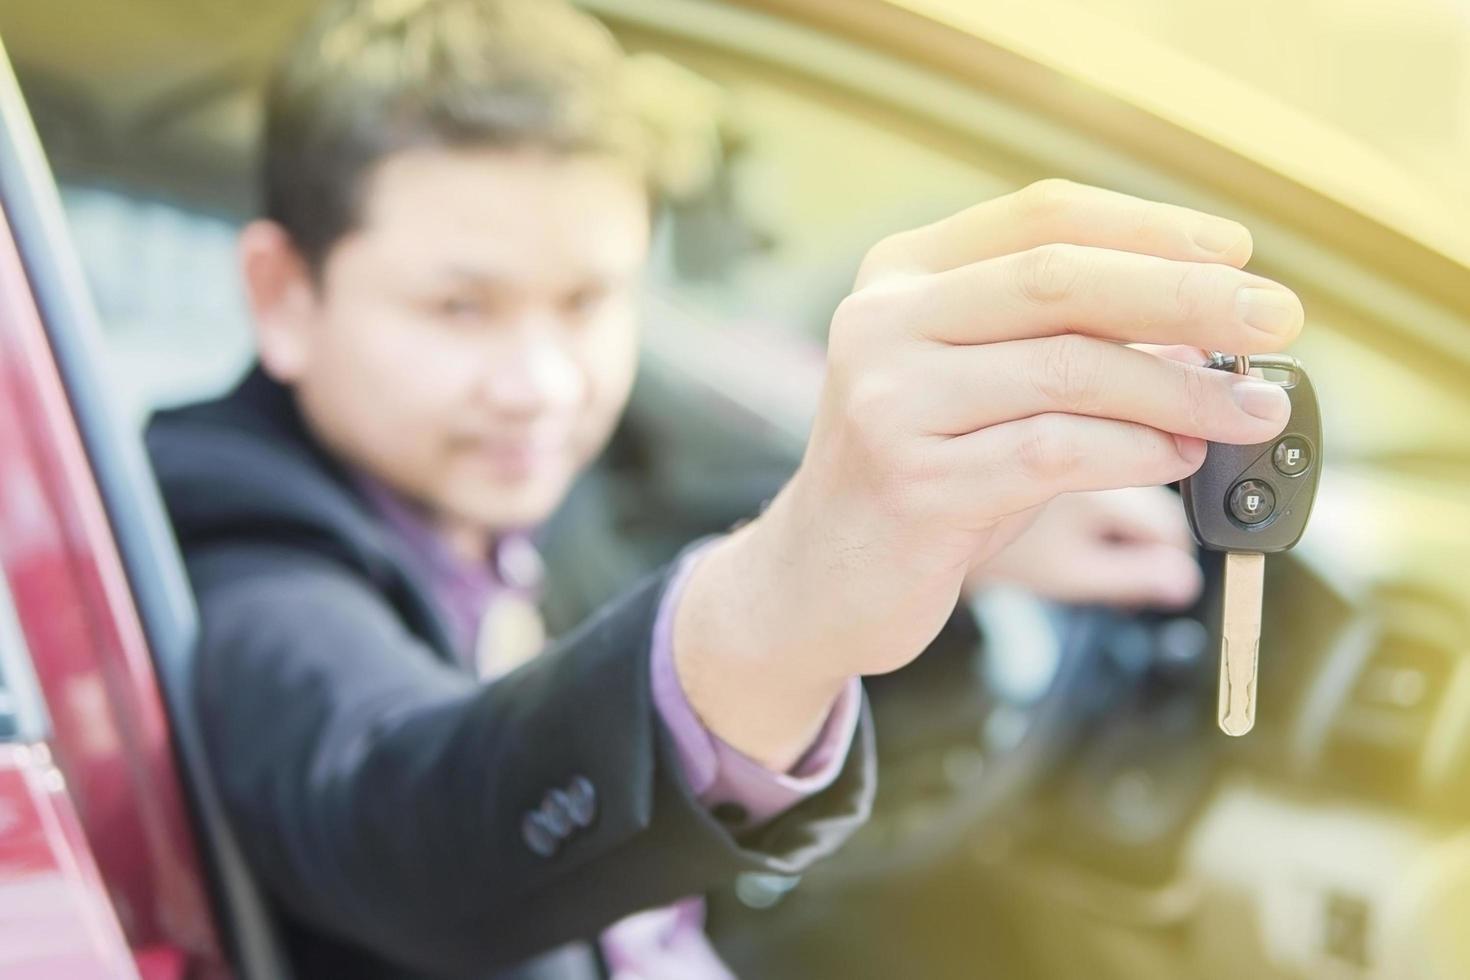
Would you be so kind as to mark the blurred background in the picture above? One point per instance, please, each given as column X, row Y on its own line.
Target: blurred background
column 1124, row 833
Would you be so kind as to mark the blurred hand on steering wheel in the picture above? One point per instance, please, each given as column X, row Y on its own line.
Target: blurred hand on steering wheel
column 1129, row 548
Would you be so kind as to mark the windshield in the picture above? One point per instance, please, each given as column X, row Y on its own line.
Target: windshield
column 1366, row 99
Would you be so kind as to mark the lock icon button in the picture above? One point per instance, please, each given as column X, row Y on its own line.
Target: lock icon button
column 1252, row 501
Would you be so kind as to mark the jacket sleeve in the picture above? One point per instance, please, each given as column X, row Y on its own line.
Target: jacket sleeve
column 387, row 799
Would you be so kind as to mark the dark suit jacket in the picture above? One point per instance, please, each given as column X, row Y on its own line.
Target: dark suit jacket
column 384, row 797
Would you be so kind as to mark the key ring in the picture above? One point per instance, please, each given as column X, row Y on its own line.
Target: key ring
column 1240, row 363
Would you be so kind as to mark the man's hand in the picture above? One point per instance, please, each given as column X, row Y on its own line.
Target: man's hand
column 978, row 370
column 1128, row 548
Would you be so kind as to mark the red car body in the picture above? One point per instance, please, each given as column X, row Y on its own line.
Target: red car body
column 100, row 874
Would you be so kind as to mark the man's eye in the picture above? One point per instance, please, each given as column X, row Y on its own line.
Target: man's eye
column 584, row 301
column 461, row 307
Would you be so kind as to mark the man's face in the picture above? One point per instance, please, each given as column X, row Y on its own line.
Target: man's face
column 474, row 340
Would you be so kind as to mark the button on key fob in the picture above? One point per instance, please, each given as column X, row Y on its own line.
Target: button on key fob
column 1249, row 502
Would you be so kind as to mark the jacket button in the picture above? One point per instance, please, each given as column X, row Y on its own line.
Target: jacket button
column 758, row 890
column 581, row 801
column 537, row 836
column 554, row 816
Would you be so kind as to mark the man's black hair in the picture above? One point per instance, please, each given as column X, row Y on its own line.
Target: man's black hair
column 370, row 78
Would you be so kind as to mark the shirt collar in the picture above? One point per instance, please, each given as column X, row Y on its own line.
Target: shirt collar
column 464, row 588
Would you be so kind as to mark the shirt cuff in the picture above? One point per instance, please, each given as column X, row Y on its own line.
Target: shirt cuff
column 739, row 791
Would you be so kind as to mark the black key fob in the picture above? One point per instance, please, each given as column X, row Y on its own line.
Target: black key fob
column 1258, row 498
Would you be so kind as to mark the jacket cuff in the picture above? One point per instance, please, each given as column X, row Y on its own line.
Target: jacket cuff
column 742, row 792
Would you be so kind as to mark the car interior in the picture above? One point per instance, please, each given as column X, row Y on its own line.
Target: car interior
column 1067, row 777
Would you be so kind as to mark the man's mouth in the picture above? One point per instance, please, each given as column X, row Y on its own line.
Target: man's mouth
column 517, row 458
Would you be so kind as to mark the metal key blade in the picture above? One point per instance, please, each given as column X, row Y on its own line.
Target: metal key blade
column 1240, row 640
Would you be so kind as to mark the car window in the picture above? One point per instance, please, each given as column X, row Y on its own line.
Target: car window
column 164, row 281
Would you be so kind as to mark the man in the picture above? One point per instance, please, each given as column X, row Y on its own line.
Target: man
column 443, row 288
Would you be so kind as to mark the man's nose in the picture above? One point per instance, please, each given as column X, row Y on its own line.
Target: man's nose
column 534, row 374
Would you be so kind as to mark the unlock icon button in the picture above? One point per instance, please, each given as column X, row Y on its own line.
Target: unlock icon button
column 1292, row 456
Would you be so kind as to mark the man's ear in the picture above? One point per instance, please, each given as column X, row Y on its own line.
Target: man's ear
column 282, row 297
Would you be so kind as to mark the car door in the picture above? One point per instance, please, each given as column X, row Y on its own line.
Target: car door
column 98, row 825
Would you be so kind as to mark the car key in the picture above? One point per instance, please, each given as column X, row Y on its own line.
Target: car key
column 1249, row 502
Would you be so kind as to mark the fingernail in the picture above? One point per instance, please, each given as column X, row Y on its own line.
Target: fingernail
column 1191, row 450
column 1275, row 311
column 1221, row 237
column 1262, row 399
